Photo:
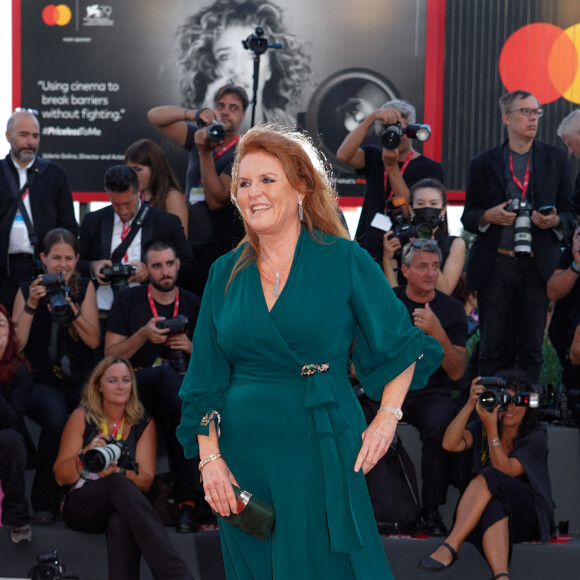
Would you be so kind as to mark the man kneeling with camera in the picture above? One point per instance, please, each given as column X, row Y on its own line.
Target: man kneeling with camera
column 152, row 325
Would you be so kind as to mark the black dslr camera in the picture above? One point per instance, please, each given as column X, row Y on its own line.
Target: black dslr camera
column 176, row 358
column 401, row 228
column 216, row 131
column 116, row 450
column 118, row 275
column 57, row 292
column 391, row 137
column 497, row 396
column 49, row 567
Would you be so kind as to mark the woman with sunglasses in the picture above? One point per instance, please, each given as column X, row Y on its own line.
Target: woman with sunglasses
column 428, row 208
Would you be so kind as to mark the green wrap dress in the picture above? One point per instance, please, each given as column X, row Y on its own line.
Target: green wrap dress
column 290, row 439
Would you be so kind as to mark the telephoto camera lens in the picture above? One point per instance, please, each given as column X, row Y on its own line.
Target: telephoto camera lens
column 523, row 231
column 99, row 458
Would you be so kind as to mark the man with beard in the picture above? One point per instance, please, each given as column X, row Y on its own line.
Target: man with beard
column 215, row 226
column 35, row 198
column 160, row 357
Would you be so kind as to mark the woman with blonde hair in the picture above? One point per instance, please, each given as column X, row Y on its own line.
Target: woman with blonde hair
column 111, row 501
column 268, row 371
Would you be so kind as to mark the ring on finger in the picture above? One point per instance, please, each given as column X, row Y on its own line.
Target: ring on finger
column 207, row 498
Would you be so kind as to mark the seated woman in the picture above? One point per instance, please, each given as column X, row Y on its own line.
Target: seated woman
column 428, row 206
column 509, row 500
column 111, row 501
column 15, row 389
column 159, row 186
column 57, row 325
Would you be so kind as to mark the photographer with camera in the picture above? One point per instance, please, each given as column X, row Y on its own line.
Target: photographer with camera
column 210, row 136
column 111, row 420
column 509, row 499
column 389, row 172
column 517, row 201
column 428, row 221
column 111, row 240
column 430, row 410
column 152, row 325
column 57, row 326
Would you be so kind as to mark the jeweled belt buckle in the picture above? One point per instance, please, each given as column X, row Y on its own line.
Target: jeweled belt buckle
column 308, row 370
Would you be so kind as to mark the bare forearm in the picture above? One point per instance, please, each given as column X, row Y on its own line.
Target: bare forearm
column 561, row 283
column 453, row 438
column 349, row 147
column 216, row 194
column 127, row 347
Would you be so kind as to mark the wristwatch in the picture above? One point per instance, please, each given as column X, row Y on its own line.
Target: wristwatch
column 396, row 412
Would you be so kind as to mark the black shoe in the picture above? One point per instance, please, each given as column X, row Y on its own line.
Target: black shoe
column 186, row 523
column 43, row 518
column 432, row 522
column 433, row 565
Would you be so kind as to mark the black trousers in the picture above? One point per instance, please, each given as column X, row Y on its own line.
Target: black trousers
column 21, row 269
column 116, row 506
column 512, row 312
column 12, row 466
column 159, row 392
column 431, row 413
column 512, row 499
column 49, row 408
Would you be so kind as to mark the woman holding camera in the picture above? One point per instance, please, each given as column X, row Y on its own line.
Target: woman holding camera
column 509, row 500
column 110, row 501
column 57, row 326
column 428, row 200
column 159, row 186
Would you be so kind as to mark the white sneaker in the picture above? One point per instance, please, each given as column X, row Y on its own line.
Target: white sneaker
column 21, row 534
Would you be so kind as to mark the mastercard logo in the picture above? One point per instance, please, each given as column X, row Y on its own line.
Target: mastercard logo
column 59, row 15
column 544, row 60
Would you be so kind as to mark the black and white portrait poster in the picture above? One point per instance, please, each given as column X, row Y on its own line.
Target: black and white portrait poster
column 93, row 70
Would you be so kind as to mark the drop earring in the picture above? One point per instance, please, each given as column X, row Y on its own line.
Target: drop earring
column 300, row 211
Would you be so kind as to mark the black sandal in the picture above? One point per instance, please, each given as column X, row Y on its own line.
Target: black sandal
column 500, row 575
column 433, row 565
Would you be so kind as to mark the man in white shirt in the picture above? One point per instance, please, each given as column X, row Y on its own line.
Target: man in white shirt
column 35, row 198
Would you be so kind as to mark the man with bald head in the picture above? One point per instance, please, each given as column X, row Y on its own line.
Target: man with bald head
column 35, row 197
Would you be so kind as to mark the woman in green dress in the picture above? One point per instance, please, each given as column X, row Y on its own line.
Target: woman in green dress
column 268, row 372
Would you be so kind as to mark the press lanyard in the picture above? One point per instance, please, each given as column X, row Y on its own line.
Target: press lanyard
column 402, row 170
column 219, row 153
column 523, row 186
column 117, row 431
column 154, row 308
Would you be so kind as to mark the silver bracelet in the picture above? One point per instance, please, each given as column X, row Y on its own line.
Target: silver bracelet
column 208, row 459
column 396, row 412
column 494, row 442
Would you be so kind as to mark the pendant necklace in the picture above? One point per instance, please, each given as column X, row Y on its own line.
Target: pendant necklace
column 276, row 289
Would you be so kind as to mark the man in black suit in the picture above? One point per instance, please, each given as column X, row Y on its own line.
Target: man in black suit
column 516, row 251
column 103, row 231
column 46, row 203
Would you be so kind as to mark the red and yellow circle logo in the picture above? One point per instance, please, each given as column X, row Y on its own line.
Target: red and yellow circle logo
column 59, row 15
column 544, row 60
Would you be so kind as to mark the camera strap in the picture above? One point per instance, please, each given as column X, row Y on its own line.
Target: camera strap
column 402, row 170
column 523, row 186
column 121, row 249
column 117, row 432
column 154, row 308
column 219, row 153
column 19, row 197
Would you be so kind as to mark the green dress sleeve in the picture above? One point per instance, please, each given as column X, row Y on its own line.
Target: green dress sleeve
column 204, row 386
column 386, row 343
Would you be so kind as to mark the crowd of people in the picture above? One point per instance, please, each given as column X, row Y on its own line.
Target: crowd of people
column 143, row 321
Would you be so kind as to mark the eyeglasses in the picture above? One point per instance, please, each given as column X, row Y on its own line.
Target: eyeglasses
column 23, row 110
column 526, row 112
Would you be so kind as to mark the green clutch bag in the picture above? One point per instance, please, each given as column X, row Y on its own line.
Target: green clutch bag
column 254, row 516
